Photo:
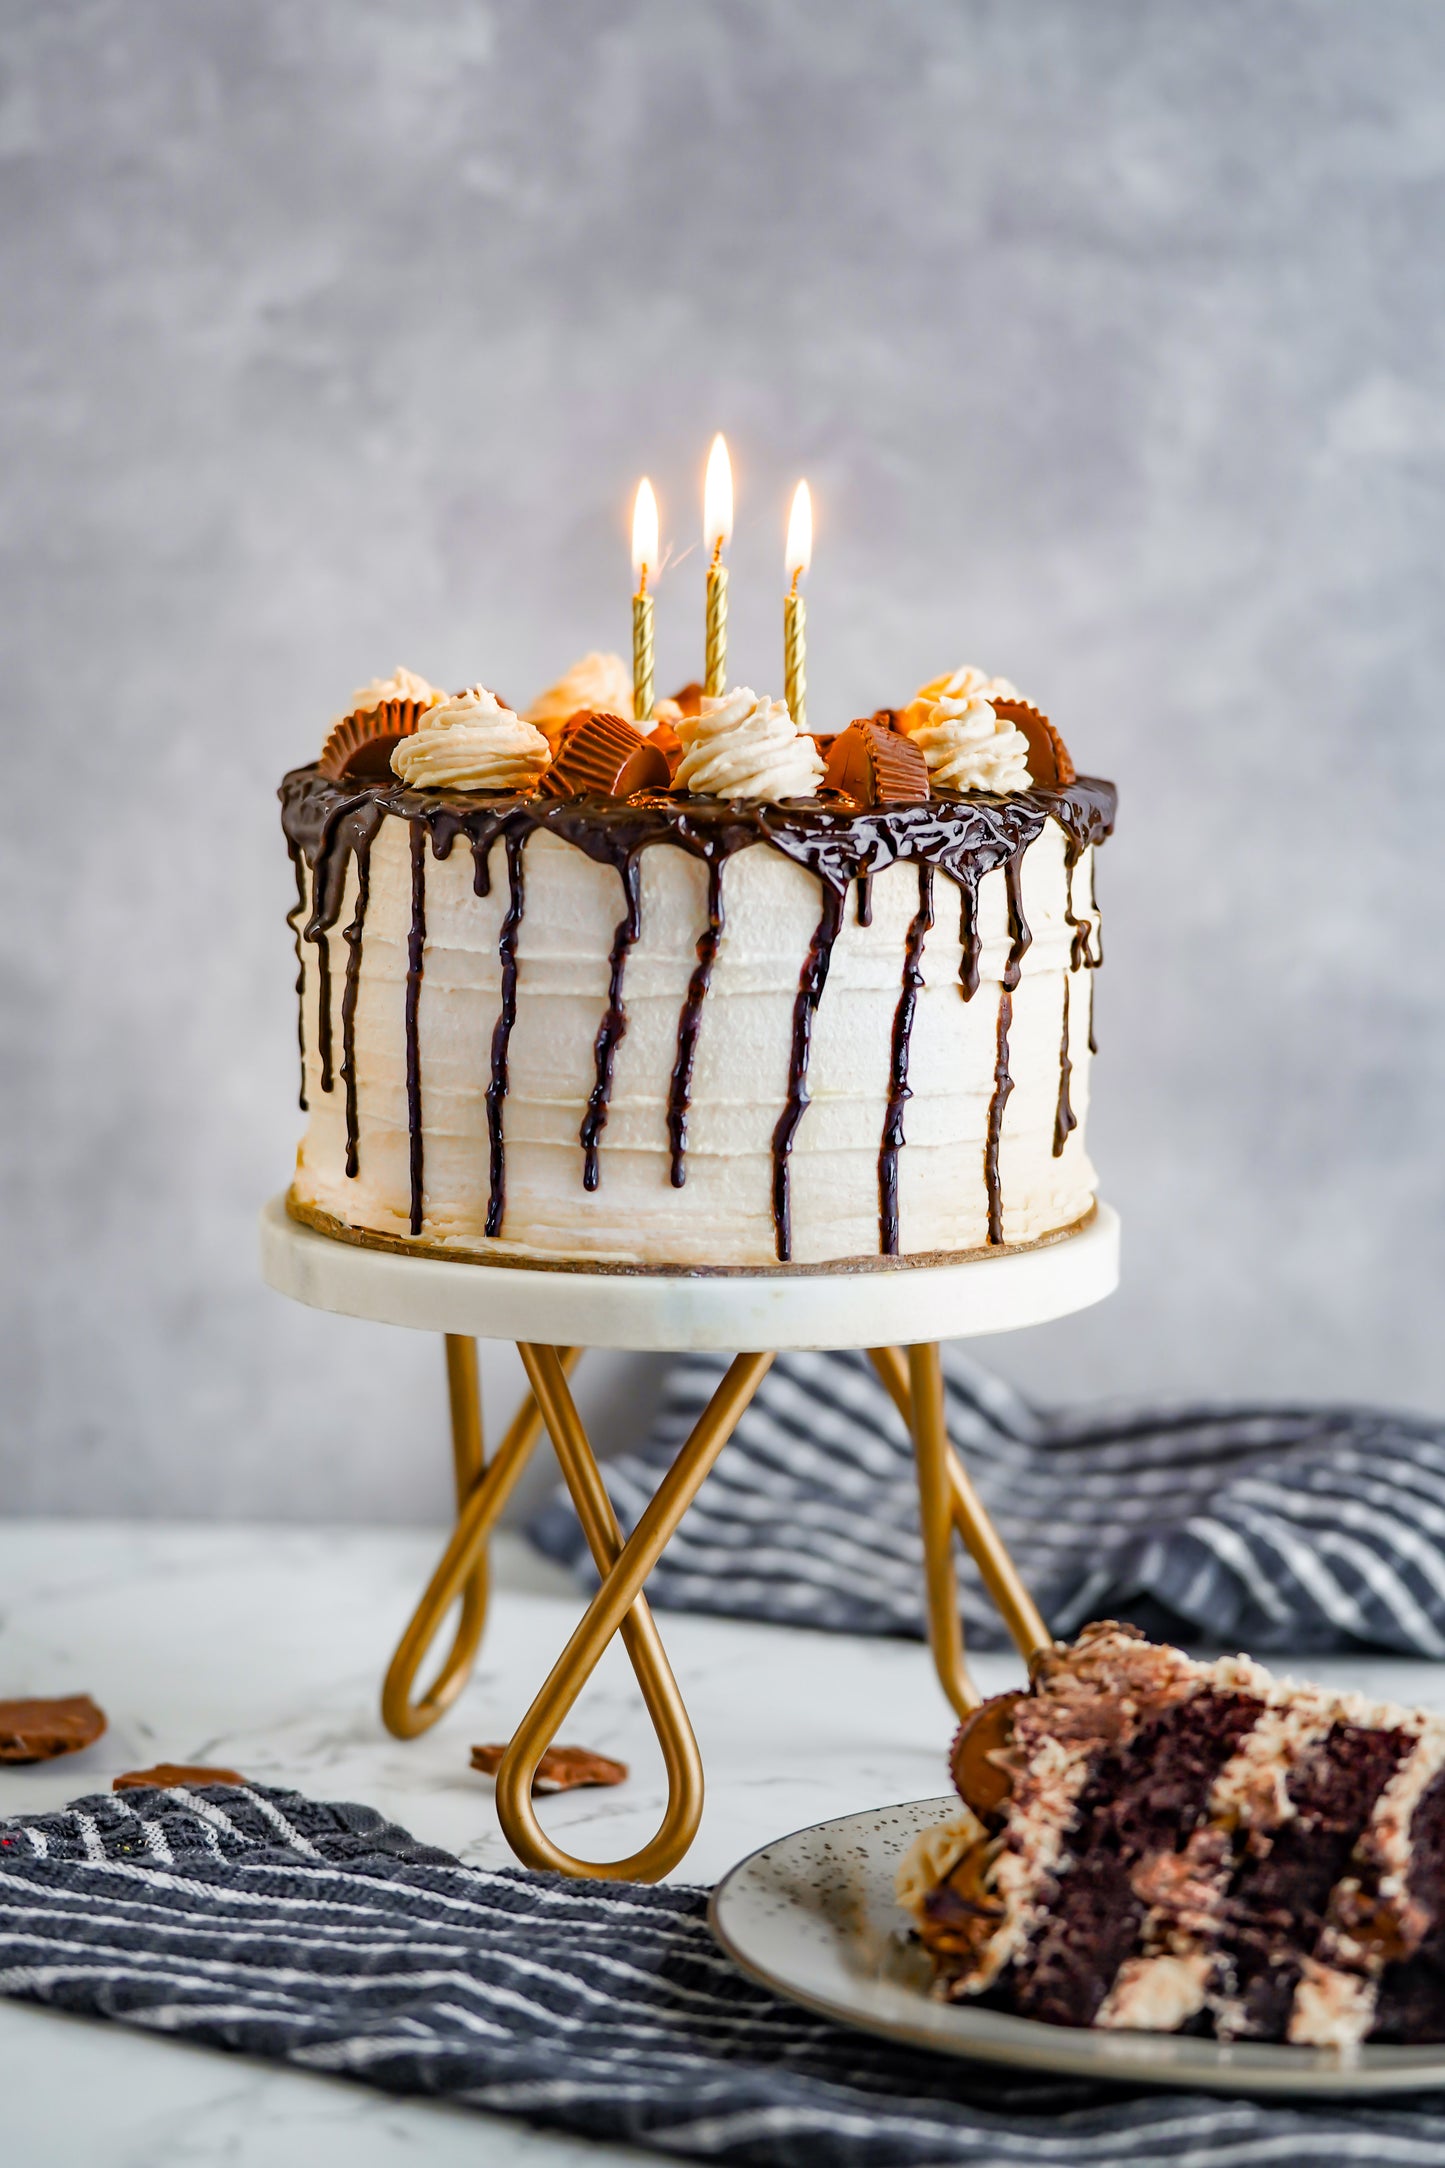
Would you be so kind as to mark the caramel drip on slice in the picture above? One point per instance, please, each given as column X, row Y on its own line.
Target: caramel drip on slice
column 415, row 964
column 350, row 993
column 863, row 906
column 679, row 1094
column 811, row 982
column 1002, row 1086
column 614, row 1025
column 502, row 1030
column 898, row 1091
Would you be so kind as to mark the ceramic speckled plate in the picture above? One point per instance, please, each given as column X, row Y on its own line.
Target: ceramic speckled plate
column 813, row 1917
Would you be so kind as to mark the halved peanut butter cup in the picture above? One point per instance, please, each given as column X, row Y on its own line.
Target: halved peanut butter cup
column 874, row 765
column 1049, row 764
column 360, row 746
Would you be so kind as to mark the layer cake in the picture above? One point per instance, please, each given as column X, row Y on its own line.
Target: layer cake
column 712, row 994
column 1154, row 1843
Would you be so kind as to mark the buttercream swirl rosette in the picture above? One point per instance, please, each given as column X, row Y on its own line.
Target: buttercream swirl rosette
column 598, row 684
column 472, row 742
column 745, row 745
column 967, row 744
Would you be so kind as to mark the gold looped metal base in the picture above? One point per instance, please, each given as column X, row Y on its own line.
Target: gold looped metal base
column 948, row 1505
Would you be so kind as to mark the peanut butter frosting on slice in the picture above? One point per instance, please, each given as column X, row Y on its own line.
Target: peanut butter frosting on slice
column 472, row 742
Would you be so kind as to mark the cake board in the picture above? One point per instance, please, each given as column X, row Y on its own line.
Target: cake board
column 897, row 1312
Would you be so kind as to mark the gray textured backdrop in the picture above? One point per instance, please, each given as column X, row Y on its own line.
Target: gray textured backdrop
column 336, row 334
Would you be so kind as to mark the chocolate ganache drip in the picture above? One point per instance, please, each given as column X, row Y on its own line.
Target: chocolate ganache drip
column 614, row 1022
column 898, row 1091
column 679, row 1096
column 1002, row 1086
column 502, row 1030
column 350, row 993
column 294, row 919
column 812, row 980
column 415, row 963
column 1065, row 1119
column 328, row 822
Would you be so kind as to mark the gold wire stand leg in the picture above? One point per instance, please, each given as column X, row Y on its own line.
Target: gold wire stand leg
column 947, row 1501
column 618, row 1606
column 461, row 1575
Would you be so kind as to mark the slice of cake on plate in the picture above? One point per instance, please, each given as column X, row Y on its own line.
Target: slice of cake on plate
column 1147, row 1841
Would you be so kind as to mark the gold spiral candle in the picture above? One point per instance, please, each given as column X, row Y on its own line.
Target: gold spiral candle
column 717, row 531
column 795, row 657
column 644, row 560
column 797, row 557
column 642, row 653
column 715, row 675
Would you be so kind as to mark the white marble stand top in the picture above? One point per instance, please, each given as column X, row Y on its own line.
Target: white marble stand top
column 263, row 1649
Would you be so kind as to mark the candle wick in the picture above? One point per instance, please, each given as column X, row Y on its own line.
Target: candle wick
column 797, row 575
column 717, row 550
column 642, row 581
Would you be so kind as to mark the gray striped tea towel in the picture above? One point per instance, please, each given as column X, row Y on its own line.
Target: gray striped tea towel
column 1306, row 1529
column 326, row 1938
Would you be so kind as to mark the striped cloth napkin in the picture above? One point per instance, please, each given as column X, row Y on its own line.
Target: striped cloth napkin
column 324, row 1937
column 1299, row 1529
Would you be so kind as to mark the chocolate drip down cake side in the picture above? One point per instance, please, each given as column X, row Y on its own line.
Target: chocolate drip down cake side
column 1151, row 1843
column 704, row 992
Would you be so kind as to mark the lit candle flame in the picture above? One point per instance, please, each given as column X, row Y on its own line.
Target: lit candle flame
column 799, row 553
column 717, row 500
column 644, row 534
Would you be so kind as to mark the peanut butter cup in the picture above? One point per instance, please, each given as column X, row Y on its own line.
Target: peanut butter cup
column 874, row 765
column 604, row 756
column 360, row 746
column 1050, row 767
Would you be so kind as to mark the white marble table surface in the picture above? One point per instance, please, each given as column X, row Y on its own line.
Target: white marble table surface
column 262, row 1649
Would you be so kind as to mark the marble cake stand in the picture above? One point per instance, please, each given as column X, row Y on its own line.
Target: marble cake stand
column 898, row 1314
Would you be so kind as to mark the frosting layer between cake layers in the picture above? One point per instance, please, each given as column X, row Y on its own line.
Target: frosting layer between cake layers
column 690, row 1033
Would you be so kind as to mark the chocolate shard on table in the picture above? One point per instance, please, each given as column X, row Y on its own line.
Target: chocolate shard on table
column 561, row 1769
column 602, row 756
column 874, row 765
column 1050, row 767
column 1152, row 1843
column 166, row 1776
column 41, row 1730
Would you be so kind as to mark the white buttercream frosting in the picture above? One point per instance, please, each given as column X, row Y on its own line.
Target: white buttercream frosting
column 966, row 744
column 401, row 685
column 471, row 742
column 745, row 745
column 597, row 682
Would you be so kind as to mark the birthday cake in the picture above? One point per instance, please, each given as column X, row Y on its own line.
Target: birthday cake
column 1156, row 1844
column 709, row 992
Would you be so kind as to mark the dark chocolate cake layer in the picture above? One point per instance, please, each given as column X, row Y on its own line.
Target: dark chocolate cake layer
column 1155, row 1843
